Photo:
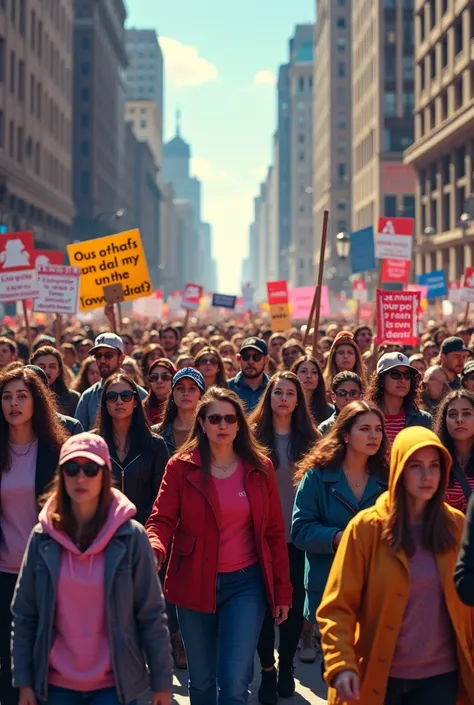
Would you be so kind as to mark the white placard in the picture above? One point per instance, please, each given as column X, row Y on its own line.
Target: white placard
column 58, row 289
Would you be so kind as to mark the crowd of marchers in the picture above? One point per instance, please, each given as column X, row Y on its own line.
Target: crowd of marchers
column 326, row 492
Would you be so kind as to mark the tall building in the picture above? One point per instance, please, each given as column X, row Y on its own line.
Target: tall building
column 145, row 69
column 300, row 254
column 35, row 120
column 145, row 120
column 382, row 110
column 332, row 116
column 284, row 170
column 443, row 151
column 99, row 107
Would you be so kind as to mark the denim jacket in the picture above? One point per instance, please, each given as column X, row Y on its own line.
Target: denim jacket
column 136, row 616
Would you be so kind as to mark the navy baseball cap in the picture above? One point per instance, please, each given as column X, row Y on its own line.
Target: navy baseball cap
column 256, row 344
column 453, row 344
column 192, row 374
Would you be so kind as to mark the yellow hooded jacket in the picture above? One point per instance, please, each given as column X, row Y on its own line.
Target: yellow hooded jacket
column 367, row 591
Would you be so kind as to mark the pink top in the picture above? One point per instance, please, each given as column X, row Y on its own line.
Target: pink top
column 455, row 495
column 394, row 423
column 19, row 509
column 237, row 547
column 426, row 644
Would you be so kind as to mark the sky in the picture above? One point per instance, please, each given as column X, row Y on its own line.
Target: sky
column 221, row 63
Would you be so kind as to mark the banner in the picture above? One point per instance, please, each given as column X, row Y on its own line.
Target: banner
column 396, row 271
column 361, row 253
column 467, row 291
column 112, row 260
column 394, row 238
column 18, row 275
column 279, row 306
column 359, row 290
column 397, row 317
column 435, row 283
column 224, row 301
column 192, row 297
column 454, row 292
column 58, row 289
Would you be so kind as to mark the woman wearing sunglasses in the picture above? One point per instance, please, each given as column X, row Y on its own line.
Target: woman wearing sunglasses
column 138, row 456
column 395, row 388
column 89, row 617
column 346, row 387
column 454, row 425
column 282, row 423
column 151, row 353
column 219, row 503
column 31, row 436
column 210, row 364
column 187, row 388
column 308, row 371
column 159, row 380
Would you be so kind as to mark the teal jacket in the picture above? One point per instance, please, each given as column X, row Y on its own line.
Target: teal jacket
column 325, row 504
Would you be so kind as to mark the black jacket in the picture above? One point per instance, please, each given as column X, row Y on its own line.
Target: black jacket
column 139, row 476
column 464, row 571
column 72, row 426
column 67, row 399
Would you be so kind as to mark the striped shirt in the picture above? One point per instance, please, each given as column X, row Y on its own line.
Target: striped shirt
column 455, row 495
column 394, row 423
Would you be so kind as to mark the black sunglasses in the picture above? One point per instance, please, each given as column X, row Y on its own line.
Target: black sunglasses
column 126, row 396
column 397, row 374
column 208, row 361
column 90, row 469
column 165, row 377
column 105, row 355
column 343, row 394
column 217, row 419
column 256, row 357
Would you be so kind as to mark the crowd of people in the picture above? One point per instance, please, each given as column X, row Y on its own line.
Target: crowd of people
column 325, row 490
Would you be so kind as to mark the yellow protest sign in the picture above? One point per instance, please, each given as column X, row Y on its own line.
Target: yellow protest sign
column 114, row 259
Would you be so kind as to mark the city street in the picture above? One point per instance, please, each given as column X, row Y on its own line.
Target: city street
column 310, row 688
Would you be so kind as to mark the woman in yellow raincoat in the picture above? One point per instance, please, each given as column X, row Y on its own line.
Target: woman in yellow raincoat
column 393, row 629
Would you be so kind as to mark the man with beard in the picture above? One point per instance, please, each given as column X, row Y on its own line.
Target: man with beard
column 108, row 352
column 249, row 384
column 453, row 358
column 169, row 341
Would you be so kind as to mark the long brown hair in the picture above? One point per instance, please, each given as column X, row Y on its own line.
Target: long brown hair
column 246, row 446
column 441, row 429
column 221, row 380
column 62, row 516
column 330, row 452
column 81, row 382
column 45, row 423
column 331, row 367
column 318, row 404
column 438, row 527
column 303, row 430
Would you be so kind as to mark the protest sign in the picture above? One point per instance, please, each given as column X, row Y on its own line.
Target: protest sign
column 18, row 275
column 48, row 257
column 394, row 238
column 366, row 312
column 395, row 271
column 58, row 289
column 114, row 259
column 224, row 301
column 454, row 292
column 361, row 253
column 435, row 283
column 467, row 291
column 150, row 307
column 174, row 301
column 192, row 297
column 359, row 290
column 279, row 306
column 397, row 317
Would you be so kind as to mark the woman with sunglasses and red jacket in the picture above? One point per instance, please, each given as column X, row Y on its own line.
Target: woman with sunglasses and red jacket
column 219, row 503
column 138, row 456
column 395, row 389
column 158, row 383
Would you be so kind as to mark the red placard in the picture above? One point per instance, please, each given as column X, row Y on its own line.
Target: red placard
column 366, row 312
column 359, row 290
column 192, row 297
column 397, row 320
column 454, row 292
column 17, row 252
column 48, row 257
column 396, row 270
column 277, row 292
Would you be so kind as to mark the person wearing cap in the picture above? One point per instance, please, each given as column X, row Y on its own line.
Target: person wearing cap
column 453, row 354
column 108, row 352
column 344, row 355
column 249, row 384
column 89, row 623
column 395, row 389
column 467, row 376
column 393, row 629
column 31, row 437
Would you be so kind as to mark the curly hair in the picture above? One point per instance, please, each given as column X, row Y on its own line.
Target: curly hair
column 376, row 391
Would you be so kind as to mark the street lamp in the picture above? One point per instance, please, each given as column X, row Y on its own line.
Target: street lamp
column 429, row 231
column 343, row 244
column 114, row 214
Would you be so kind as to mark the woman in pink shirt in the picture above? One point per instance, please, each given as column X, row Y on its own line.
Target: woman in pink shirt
column 30, row 441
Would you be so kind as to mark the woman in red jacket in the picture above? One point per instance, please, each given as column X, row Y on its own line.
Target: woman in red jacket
column 219, row 503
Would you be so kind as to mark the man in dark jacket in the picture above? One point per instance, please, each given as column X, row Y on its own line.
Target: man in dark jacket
column 251, row 381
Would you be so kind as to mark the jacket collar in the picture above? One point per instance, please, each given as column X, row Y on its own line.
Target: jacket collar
column 194, row 461
column 341, row 486
column 240, row 381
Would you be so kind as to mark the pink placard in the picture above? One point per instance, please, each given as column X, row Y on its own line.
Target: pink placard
column 301, row 299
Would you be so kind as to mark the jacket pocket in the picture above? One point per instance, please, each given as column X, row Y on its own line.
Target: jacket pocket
column 184, row 545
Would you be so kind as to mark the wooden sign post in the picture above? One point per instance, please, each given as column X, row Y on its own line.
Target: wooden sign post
column 316, row 304
column 27, row 325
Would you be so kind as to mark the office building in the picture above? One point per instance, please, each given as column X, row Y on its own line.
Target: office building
column 145, row 67
column 443, row 150
column 145, row 120
column 35, row 120
column 284, row 170
column 382, row 111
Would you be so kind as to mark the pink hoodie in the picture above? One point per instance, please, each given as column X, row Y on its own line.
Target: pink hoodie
column 80, row 657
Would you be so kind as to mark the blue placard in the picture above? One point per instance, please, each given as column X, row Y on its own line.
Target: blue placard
column 435, row 283
column 224, row 300
column 362, row 255
column 3, row 229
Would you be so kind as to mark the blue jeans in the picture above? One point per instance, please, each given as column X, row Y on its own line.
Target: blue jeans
column 62, row 696
column 220, row 647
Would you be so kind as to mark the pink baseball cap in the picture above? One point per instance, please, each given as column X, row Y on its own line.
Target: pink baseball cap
column 86, row 445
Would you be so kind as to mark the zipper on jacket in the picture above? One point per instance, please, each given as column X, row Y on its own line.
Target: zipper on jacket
column 122, row 472
column 353, row 509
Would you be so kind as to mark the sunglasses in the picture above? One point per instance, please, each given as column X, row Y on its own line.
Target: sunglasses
column 126, row 396
column 105, row 355
column 396, row 374
column 165, row 377
column 256, row 357
column 217, row 419
column 343, row 394
column 208, row 361
column 90, row 469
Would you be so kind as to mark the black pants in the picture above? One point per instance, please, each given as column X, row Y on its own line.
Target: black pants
column 290, row 629
column 437, row 690
column 8, row 694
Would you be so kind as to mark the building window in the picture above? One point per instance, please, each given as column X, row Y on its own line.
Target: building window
column 341, row 122
column 422, row 26
column 301, row 156
column 341, row 171
column 458, row 95
column 143, row 124
column 2, row 129
column 390, row 104
column 301, row 84
column 390, row 63
column 444, row 105
column 390, row 34
column 341, row 94
column 84, row 183
column 433, row 63
column 11, row 139
column 460, row 161
column 85, row 43
column 22, row 22
column 408, row 104
column 458, row 38
column 32, row 94
column 341, row 22
column 40, row 39
column 341, row 44
column 444, row 52
column 408, row 68
column 446, row 212
column 432, row 6
column 409, row 206
column 390, row 206
column 33, row 30
column 341, row 69
column 85, row 68
column 422, row 75
column 84, row 120
column 85, row 94
column 19, row 146
column 21, row 80
column 37, row 158
column 38, row 100
column 341, row 205
column 301, row 138
column 2, row 59
column 12, row 71
column 85, row 148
